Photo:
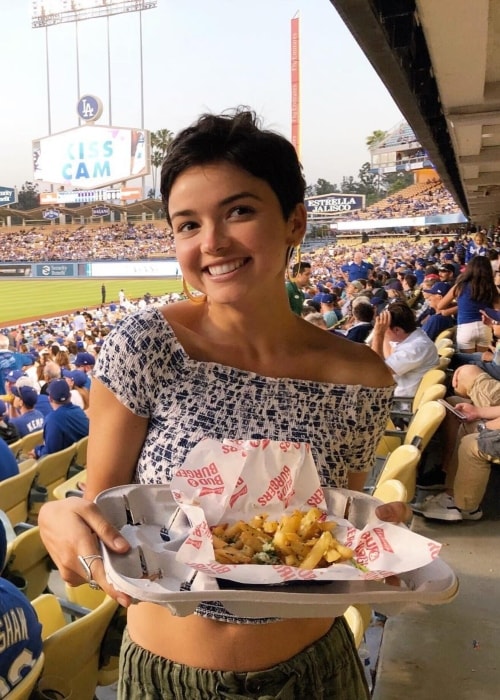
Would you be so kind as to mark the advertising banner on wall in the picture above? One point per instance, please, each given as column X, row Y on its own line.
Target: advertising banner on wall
column 7, row 196
column 140, row 268
column 325, row 205
column 15, row 270
column 92, row 156
column 55, row 270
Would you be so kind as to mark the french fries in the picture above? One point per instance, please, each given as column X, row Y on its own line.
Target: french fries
column 302, row 539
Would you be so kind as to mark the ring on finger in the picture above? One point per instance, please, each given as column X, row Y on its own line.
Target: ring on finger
column 86, row 563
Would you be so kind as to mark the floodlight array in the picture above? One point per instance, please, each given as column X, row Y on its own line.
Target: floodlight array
column 47, row 13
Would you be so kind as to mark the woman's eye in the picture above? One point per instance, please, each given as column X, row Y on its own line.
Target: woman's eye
column 186, row 227
column 241, row 210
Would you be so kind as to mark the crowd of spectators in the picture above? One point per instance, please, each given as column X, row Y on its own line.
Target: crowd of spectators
column 425, row 199
column 118, row 241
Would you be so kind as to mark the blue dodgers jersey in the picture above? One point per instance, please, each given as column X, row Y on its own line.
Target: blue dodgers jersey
column 20, row 636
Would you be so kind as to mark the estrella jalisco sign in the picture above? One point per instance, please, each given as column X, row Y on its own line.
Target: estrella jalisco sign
column 334, row 203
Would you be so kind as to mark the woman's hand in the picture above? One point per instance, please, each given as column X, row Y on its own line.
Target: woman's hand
column 73, row 527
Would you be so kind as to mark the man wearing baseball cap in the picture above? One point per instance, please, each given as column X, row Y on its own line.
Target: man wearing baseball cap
column 28, row 420
column 85, row 361
column 437, row 321
column 447, row 273
column 66, row 424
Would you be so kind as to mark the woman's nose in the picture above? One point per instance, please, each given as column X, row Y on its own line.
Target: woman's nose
column 214, row 239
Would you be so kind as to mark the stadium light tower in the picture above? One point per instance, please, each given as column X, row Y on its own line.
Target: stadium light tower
column 47, row 13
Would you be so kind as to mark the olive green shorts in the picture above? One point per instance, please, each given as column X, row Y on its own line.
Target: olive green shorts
column 329, row 669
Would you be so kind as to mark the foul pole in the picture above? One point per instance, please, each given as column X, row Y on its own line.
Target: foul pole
column 295, row 81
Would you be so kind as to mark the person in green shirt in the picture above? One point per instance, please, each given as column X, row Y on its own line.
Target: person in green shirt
column 301, row 273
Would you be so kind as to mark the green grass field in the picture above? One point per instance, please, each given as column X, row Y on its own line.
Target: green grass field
column 28, row 298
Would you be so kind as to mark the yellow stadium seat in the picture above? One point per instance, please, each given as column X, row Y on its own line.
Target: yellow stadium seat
column 72, row 640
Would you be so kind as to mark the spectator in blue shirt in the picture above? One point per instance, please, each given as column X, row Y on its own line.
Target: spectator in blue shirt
column 20, row 631
column 8, row 464
column 66, row 424
column 7, row 361
column 357, row 269
column 28, row 420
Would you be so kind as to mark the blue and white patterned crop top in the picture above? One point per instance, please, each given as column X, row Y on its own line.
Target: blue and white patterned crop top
column 186, row 400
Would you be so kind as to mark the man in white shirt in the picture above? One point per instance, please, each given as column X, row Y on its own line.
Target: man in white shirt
column 407, row 350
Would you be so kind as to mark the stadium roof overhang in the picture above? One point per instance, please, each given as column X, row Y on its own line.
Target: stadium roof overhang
column 440, row 60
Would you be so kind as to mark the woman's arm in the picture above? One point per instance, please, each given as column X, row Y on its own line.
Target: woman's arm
column 448, row 299
column 116, row 437
column 73, row 527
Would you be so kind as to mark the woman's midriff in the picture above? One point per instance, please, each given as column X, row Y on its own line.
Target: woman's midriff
column 196, row 641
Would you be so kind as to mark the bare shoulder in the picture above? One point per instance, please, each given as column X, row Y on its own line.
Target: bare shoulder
column 346, row 362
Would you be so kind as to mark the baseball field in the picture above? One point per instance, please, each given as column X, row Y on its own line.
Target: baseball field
column 27, row 299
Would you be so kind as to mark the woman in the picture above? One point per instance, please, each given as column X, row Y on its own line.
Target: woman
column 477, row 246
column 225, row 367
column 473, row 291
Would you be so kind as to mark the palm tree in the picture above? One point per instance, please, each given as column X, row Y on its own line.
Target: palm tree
column 160, row 141
column 375, row 138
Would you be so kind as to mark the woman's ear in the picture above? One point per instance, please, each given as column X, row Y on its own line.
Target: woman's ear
column 297, row 222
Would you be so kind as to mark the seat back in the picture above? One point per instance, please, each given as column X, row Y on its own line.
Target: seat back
column 53, row 469
column 402, row 465
column 391, row 490
column 28, row 565
column 424, row 424
column 444, row 363
column 354, row 619
column 24, row 688
column 30, row 441
column 79, row 460
column 446, row 352
column 15, row 494
column 430, row 378
column 72, row 650
column 433, row 393
column 448, row 333
column 109, row 658
column 15, row 447
column 443, row 343
column 72, row 486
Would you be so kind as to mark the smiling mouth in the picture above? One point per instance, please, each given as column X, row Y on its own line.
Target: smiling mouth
column 218, row 270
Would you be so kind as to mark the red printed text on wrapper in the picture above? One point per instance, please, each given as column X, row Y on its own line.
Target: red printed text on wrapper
column 280, row 487
column 240, row 490
column 290, row 573
column 204, row 476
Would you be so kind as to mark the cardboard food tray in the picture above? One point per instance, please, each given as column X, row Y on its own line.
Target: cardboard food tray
column 151, row 521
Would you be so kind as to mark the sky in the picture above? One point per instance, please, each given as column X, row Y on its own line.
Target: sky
column 197, row 56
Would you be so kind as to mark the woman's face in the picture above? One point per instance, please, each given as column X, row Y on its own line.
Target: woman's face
column 230, row 235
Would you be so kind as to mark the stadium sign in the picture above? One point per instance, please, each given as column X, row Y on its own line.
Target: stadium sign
column 51, row 214
column 55, row 270
column 89, row 108
column 89, row 196
column 7, row 196
column 325, row 205
column 92, row 156
column 101, row 211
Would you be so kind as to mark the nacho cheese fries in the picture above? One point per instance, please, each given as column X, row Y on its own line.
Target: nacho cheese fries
column 303, row 539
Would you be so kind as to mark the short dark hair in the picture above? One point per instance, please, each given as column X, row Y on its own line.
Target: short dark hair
column 237, row 138
column 362, row 311
column 300, row 267
column 402, row 316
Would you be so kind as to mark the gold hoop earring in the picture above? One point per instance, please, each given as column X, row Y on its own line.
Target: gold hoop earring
column 195, row 299
column 291, row 277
